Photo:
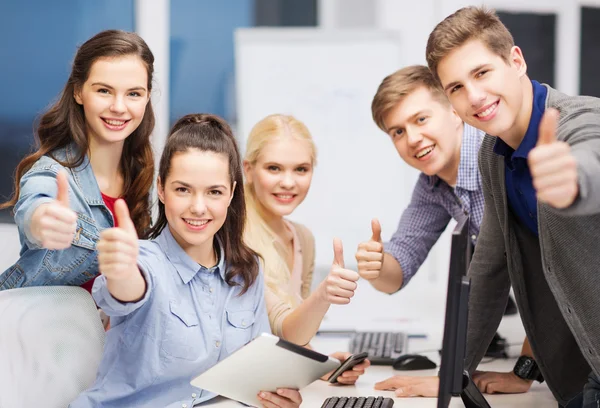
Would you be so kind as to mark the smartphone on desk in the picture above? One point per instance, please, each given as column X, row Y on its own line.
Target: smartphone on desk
column 350, row 362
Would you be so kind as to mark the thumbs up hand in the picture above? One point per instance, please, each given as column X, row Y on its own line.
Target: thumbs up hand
column 340, row 284
column 53, row 224
column 118, row 247
column 553, row 167
column 369, row 254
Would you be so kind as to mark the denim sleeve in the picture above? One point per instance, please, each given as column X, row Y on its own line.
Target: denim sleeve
column 38, row 186
column 421, row 225
column 261, row 322
column 114, row 307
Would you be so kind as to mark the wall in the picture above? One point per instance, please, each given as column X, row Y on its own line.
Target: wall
column 202, row 54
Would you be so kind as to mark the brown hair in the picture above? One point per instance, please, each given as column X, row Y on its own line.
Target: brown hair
column 64, row 123
column 466, row 24
column 210, row 133
column 397, row 86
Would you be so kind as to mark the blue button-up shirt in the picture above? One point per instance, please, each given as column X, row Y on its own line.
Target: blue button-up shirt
column 519, row 186
column 434, row 203
column 188, row 320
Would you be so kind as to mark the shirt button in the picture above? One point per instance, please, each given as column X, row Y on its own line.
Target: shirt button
column 183, row 405
column 212, row 290
column 243, row 323
column 217, row 343
column 194, row 395
column 473, row 237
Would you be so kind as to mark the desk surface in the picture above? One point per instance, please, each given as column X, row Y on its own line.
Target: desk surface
column 398, row 311
column 314, row 395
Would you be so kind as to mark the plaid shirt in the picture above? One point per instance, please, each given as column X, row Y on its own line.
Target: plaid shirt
column 434, row 203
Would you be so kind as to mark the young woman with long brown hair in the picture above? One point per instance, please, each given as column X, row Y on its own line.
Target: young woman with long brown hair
column 193, row 294
column 94, row 147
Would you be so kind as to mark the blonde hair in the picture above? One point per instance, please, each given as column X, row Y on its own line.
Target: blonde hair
column 466, row 24
column 257, row 234
column 397, row 86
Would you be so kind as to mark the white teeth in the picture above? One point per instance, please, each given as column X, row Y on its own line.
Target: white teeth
column 196, row 223
column 424, row 151
column 115, row 122
column 284, row 196
column 487, row 111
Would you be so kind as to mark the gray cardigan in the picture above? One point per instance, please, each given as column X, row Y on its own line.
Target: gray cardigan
column 556, row 279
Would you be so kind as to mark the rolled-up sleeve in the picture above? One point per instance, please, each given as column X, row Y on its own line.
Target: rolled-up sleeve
column 114, row 307
column 37, row 187
column 420, row 226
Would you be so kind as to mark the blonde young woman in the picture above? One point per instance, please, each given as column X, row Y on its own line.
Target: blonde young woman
column 278, row 165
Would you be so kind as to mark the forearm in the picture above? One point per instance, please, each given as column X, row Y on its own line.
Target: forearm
column 526, row 349
column 391, row 277
column 302, row 323
column 127, row 290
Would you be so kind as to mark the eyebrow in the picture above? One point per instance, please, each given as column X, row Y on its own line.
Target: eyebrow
column 137, row 88
column 473, row 71
column 215, row 186
column 410, row 118
column 279, row 164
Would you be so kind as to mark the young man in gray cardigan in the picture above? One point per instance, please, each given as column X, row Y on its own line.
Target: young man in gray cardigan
column 541, row 222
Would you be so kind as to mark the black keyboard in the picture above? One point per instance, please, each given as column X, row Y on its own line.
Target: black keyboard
column 358, row 402
column 383, row 347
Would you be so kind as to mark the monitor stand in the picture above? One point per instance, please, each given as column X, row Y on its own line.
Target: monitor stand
column 471, row 396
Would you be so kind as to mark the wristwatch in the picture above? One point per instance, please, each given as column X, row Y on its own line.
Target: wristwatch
column 527, row 369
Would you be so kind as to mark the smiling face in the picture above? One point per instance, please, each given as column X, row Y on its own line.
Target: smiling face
column 114, row 98
column 196, row 195
column 426, row 132
column 486, row 91
column 281, row 175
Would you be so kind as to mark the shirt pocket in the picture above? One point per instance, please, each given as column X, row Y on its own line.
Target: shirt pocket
column 183, row 335
column 238, row 331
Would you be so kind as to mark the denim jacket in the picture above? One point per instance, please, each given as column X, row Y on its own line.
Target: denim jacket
column 77, row 264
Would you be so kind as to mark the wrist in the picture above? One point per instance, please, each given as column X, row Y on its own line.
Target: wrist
column 322, row 293
column 527, row 369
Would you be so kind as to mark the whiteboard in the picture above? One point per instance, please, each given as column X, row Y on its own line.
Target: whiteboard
column 327, row 79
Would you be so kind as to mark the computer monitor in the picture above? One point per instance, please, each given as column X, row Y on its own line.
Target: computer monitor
column 454, row 379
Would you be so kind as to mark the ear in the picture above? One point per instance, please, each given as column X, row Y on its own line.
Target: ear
column 247, row 171
column 160, row 190
column 77, row 96
column 232, row 192
column 518, row 61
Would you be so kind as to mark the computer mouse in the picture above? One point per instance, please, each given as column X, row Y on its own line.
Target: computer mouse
column 408, row 362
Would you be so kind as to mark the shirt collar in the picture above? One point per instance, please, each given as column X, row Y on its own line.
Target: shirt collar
column 468, row 171
column 531, row 135
column 186, row 267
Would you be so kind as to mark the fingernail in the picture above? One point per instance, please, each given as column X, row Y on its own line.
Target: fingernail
column 262, row 395
column 279, row 392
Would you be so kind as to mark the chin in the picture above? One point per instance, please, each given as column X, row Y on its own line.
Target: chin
column 282, row 210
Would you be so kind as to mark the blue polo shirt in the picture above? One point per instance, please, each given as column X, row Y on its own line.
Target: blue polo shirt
column 519, row 186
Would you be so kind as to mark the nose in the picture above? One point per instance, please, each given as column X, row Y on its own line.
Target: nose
column 118, row 105
column 413, row 136
column 198, row 205
column 287, row 180
column 476, row 96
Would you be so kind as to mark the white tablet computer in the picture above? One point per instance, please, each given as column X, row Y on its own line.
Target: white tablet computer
column 264, row 364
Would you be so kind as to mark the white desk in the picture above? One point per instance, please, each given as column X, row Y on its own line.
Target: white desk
column 427, row 318
column 314, row 395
